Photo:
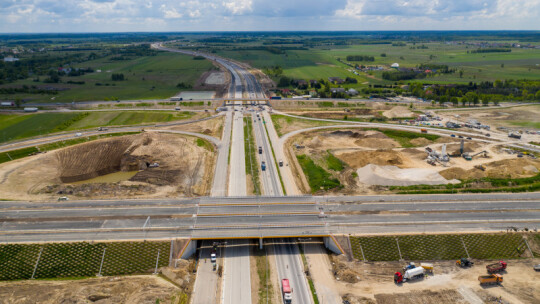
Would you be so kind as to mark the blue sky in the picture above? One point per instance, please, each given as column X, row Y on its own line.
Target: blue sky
column 262, row 15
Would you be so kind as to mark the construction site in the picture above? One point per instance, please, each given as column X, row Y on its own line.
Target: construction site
column 148, row 164
column 372, row 160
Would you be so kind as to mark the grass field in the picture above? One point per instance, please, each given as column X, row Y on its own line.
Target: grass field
column 439, row 247
column 321, row 62
column 318, row 178
column 15, row 126
column 60, row 260
column 404, row 138
column 151, row 77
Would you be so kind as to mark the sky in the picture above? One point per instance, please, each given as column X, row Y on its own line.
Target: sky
column 35, row 16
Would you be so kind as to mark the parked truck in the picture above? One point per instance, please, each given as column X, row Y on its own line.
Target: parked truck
column 496, row 267
column 490, row 279
column 410, row 274
column 286, row 291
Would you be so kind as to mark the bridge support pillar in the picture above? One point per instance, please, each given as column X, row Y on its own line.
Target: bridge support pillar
column 189, row 249
column 331, row 243
column 261, row 243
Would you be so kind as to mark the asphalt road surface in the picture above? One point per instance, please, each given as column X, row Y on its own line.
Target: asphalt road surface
column 207, row 278
column 289, row 266
column 237, row 177
column 219, row 185
column 236, row 275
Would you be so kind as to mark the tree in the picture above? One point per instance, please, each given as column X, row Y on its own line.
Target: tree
column 443, row 99
column 18, row 102
column 460, row 73
column 454, row 101
column 485, row 100
column 472, row 98
column 537, row 95
column 464, row 100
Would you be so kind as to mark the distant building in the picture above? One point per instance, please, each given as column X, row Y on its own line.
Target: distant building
column 313, row 81
column 337, row 90
column 336, row 80
column 395, row 65
column 352, row 92
column 10, row 59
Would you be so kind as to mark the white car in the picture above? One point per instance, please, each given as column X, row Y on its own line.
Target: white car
column 536, row 267
column 213, row 257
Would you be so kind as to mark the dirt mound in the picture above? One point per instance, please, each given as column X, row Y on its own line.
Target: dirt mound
column 130, row 289
column 459, row 173
column 98, row 190
column 92, row 159
column 508, row 168
column 422, row 296
column 394, row 176
column 360, row 159
column 398, row 112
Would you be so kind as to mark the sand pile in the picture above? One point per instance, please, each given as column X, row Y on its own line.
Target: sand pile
column 360, row 159
column 398, row 112
column 394, row 176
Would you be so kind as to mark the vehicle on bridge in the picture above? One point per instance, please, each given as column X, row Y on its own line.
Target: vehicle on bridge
column 286, row 290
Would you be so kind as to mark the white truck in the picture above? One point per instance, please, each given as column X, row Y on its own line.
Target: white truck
column 414, row 273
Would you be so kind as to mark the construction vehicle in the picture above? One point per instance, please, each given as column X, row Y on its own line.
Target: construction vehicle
column 423, row 130
column 536, row 267
column 515, row 135
column 102, row 129
column 263, row 166
column 410, row 274
column 468, row 156
column 490, row 279
column 427, row 266
column 464, row 262
column 286, row 291
column 496, row 267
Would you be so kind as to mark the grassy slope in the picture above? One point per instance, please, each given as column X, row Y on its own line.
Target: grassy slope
column 161, row 74
column 13, row 127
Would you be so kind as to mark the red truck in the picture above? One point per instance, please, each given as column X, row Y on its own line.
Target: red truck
column 286, row 290
column 496, row 267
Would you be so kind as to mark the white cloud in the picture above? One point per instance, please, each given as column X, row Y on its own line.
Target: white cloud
column 238, row 7
column 208, row 15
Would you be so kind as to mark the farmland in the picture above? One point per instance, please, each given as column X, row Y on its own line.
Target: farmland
column 15, row 126
column 146, row 77
column 318, row 62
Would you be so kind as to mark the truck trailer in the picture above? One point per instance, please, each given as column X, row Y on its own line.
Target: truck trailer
column 286, row 291
column 490, row 279
column 496, row 267
column 410, row 274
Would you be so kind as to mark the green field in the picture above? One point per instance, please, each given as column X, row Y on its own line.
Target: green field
column 318, row 178
column 317, row 63
column 15, row 126
column 60, row 260
column 149, row 77
column 404, row 137
column 439, row 247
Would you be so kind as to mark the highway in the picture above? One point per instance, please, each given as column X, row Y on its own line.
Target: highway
column 236, row 275
column 289, row 266
column 270, row 180
column 225, row 218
